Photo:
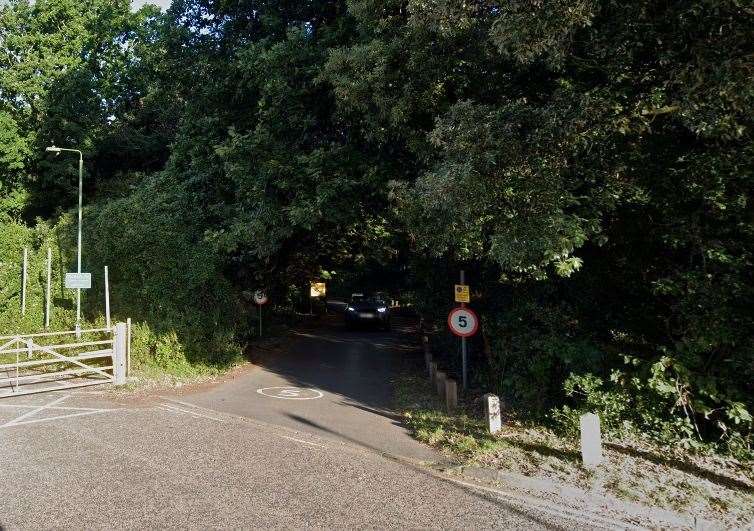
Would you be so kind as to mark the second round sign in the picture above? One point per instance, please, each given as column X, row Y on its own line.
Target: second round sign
column 463, row 322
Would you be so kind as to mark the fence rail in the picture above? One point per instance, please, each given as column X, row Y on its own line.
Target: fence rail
column 56, row 364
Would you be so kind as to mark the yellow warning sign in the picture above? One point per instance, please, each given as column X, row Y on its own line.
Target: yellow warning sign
column 462, row 293
column 318, row 289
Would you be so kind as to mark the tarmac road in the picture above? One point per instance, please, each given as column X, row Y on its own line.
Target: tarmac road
column 349, row 373
column 90, row 460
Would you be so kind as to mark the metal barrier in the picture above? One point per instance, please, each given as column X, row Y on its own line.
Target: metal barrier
column 38, row 367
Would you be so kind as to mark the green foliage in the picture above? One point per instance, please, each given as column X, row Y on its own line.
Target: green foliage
column 587, row 162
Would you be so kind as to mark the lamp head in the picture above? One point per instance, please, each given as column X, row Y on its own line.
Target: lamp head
column 53, row 149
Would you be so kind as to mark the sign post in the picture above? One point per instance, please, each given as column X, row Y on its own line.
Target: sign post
column 78, row 281
column 464, row 362
column 463, row 322
column 260, row 297
column 316, row 290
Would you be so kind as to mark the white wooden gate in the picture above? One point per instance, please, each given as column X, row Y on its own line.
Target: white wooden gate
column 51, row 361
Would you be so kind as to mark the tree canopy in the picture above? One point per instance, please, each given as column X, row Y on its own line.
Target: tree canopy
column 588, row 162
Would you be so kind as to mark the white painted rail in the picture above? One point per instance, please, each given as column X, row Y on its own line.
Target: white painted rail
column 27, row 365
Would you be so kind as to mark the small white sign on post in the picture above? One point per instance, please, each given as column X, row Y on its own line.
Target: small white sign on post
column 78, row 280
column 591, row 440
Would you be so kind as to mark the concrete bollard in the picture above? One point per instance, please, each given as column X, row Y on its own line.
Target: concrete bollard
column 451, row 395
column 492, row 413
column 591, row 440
column 440, row 383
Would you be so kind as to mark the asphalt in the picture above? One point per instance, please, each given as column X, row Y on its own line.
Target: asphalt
column 353, row 372
column 231, row 457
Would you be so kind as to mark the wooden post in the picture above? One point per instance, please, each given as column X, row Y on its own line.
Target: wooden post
column 23, row 282
column 128, row 346
column 440, row 383
column 451, row 395
column 48, row 305
column 107, row 298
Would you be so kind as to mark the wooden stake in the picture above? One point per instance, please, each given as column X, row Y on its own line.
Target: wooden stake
column 23, row 283
column 48, row 307
column 107, row 297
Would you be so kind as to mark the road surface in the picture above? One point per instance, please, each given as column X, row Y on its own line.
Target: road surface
column 233, row 457
column 352, row 374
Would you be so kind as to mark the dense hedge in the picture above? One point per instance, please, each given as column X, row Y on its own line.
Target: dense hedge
column 587, row 162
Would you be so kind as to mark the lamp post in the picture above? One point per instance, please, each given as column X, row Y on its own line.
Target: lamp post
column 57, row 151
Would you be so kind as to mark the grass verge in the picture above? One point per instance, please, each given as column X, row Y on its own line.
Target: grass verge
column 710, row 487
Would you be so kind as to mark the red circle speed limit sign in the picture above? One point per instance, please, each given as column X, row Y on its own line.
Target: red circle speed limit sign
column 260, row 297
column 463, row 322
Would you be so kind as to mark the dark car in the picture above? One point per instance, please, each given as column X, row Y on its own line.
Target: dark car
column 368, row 311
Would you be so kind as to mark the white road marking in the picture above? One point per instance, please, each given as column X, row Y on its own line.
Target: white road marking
column 50, row 406
column 34, row 411
column 46, row 419
column 189, row 412
column 303, row 441
column 57, row 408
column 290, row 392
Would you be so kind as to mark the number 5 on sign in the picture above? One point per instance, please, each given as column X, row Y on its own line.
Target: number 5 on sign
column 463, row 322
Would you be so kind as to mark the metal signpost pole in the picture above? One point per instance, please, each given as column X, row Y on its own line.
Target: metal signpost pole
column 260, row 320
column 57, row 151
column 81, row 199
column 463, row 342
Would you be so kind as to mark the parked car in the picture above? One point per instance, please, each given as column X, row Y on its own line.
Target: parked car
column 368, row 311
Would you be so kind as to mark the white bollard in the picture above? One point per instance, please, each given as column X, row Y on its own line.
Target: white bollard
column 120, row 346
column 591, row 440
column 492, row 413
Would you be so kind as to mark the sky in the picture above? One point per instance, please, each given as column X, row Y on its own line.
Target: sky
column 162, row 3
column 137, row 3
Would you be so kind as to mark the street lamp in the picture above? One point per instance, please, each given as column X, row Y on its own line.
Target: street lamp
column 57, row 150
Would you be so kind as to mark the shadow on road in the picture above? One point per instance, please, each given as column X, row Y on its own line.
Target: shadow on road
column 359, row 365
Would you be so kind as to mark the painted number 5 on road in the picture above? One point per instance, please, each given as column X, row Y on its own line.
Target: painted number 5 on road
column 463, row 322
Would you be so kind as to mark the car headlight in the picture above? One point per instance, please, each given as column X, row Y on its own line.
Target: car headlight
column 382, row 310
column 351, row 309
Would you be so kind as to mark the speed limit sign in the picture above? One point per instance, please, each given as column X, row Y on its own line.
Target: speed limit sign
column 260, row 297
column 463, row 322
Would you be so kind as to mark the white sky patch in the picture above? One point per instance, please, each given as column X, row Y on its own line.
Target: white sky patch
column 136, row 4
column 164, row 4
